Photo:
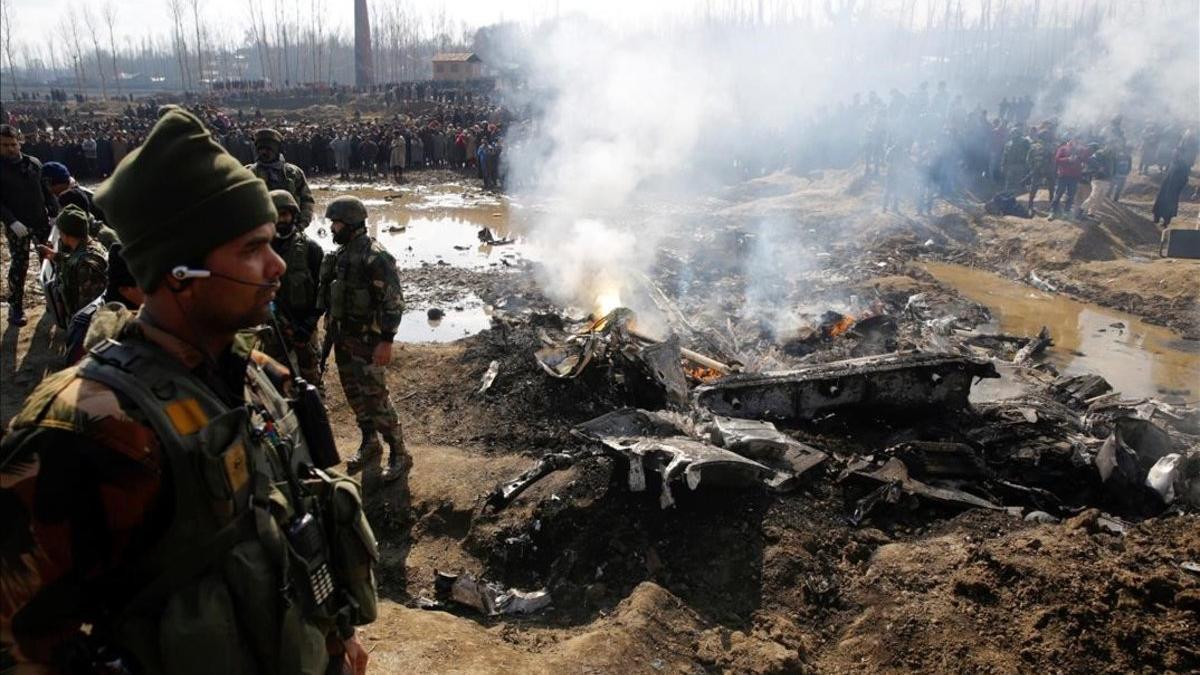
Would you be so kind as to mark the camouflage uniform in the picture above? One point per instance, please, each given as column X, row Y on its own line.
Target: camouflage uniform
column 1041, row 168
column 84, row 274
column 283, row 175
column 1014, row 163
column 360, row 289
column 296, row 312
column 104, row 234
column 138, row 500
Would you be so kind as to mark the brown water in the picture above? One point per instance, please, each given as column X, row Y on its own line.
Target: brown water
column 431, row 225
column 1137, row 359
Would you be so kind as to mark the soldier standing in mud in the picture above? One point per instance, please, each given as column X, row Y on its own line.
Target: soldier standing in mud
column 25, row 208
column 1014, row 163
column 279, row 174
column 1041, row 166
column 360, row 290
column 296, row 312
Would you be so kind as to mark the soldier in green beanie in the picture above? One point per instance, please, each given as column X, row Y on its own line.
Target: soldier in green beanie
column 279, row 174
column 80, row 260
column 189, row 532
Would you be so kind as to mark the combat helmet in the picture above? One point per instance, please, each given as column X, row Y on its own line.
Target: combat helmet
column 284, row 200
column 348, row 209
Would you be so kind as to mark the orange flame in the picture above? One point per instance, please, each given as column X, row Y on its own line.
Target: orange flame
column 700, row 373
column 840, row 326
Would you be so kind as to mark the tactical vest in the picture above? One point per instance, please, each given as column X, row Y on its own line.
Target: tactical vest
column 350, row 290
column 291, row 178
column 298, row 292
column 69, row 272
column 229, row 588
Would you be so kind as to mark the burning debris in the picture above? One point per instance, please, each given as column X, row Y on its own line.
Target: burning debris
column 635, row 358
column 1059, row 446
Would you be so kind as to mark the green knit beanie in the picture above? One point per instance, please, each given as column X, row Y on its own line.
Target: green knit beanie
column 179, row 196
column 73, row 221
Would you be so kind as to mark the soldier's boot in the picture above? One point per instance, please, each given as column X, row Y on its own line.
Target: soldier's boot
column 399, row 462
column 368, row 450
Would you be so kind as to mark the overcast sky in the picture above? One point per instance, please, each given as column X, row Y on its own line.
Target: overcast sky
column 32, row 18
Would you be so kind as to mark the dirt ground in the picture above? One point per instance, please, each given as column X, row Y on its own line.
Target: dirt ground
column 746, row 581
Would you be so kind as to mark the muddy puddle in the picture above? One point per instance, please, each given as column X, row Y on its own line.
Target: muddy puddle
column 466, row 317
column 422, row 225
column 434, row 225
column 1138, row 359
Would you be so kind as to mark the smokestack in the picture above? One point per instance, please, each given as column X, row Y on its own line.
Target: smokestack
column 364, row 63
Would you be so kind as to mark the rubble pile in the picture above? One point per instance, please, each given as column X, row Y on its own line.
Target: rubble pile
column 1057, row 446
column 747, row 491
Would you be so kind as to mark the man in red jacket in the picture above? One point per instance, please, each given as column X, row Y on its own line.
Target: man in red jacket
column 1069, row 160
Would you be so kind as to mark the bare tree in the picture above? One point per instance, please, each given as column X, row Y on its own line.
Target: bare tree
column 6, row 30
column 109, row 13
column 180, row 42
column 259, row 38
column 93, row 27
column 70, row 35
column 199, row 26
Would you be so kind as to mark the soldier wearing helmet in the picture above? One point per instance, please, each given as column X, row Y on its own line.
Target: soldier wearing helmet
column 279, row 174
column 360, row 290
column 296, row 312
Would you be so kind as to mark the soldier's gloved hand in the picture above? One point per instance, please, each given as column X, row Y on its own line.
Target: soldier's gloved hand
column 18, row 229
column 383, row 353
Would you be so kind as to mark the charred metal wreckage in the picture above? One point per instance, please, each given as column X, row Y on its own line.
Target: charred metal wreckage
column 1058, row 446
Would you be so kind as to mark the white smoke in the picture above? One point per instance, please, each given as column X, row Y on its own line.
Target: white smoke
column 1143, row 61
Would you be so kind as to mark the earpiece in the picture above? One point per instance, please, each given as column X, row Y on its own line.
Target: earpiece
column 184, row 272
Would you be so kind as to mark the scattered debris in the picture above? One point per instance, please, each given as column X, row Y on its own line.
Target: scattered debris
column 897, row 382
column 1165, row 476
column 1040, row 283
column 486, row 236
column 895, row 481
column 664, row 449
column 503, row 495
column 489, row 377
column 1041, row 517
column 762, row 442
column 488, row 598
column 1034, row 347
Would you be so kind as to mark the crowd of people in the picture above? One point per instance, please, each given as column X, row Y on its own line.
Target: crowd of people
column 931, row 146
column 466, row 137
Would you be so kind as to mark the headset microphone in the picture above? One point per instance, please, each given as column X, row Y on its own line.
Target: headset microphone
column 183, row 272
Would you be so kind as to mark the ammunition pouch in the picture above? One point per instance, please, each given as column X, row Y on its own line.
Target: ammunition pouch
column 224, row 589
column 348, row 302
column 353, row 548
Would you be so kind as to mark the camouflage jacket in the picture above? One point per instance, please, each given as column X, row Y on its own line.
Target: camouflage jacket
column 291, row 178
column 1040, row 159
column 1016, row 155
column 360, row 290
column 83, row 495
column 84, row 274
